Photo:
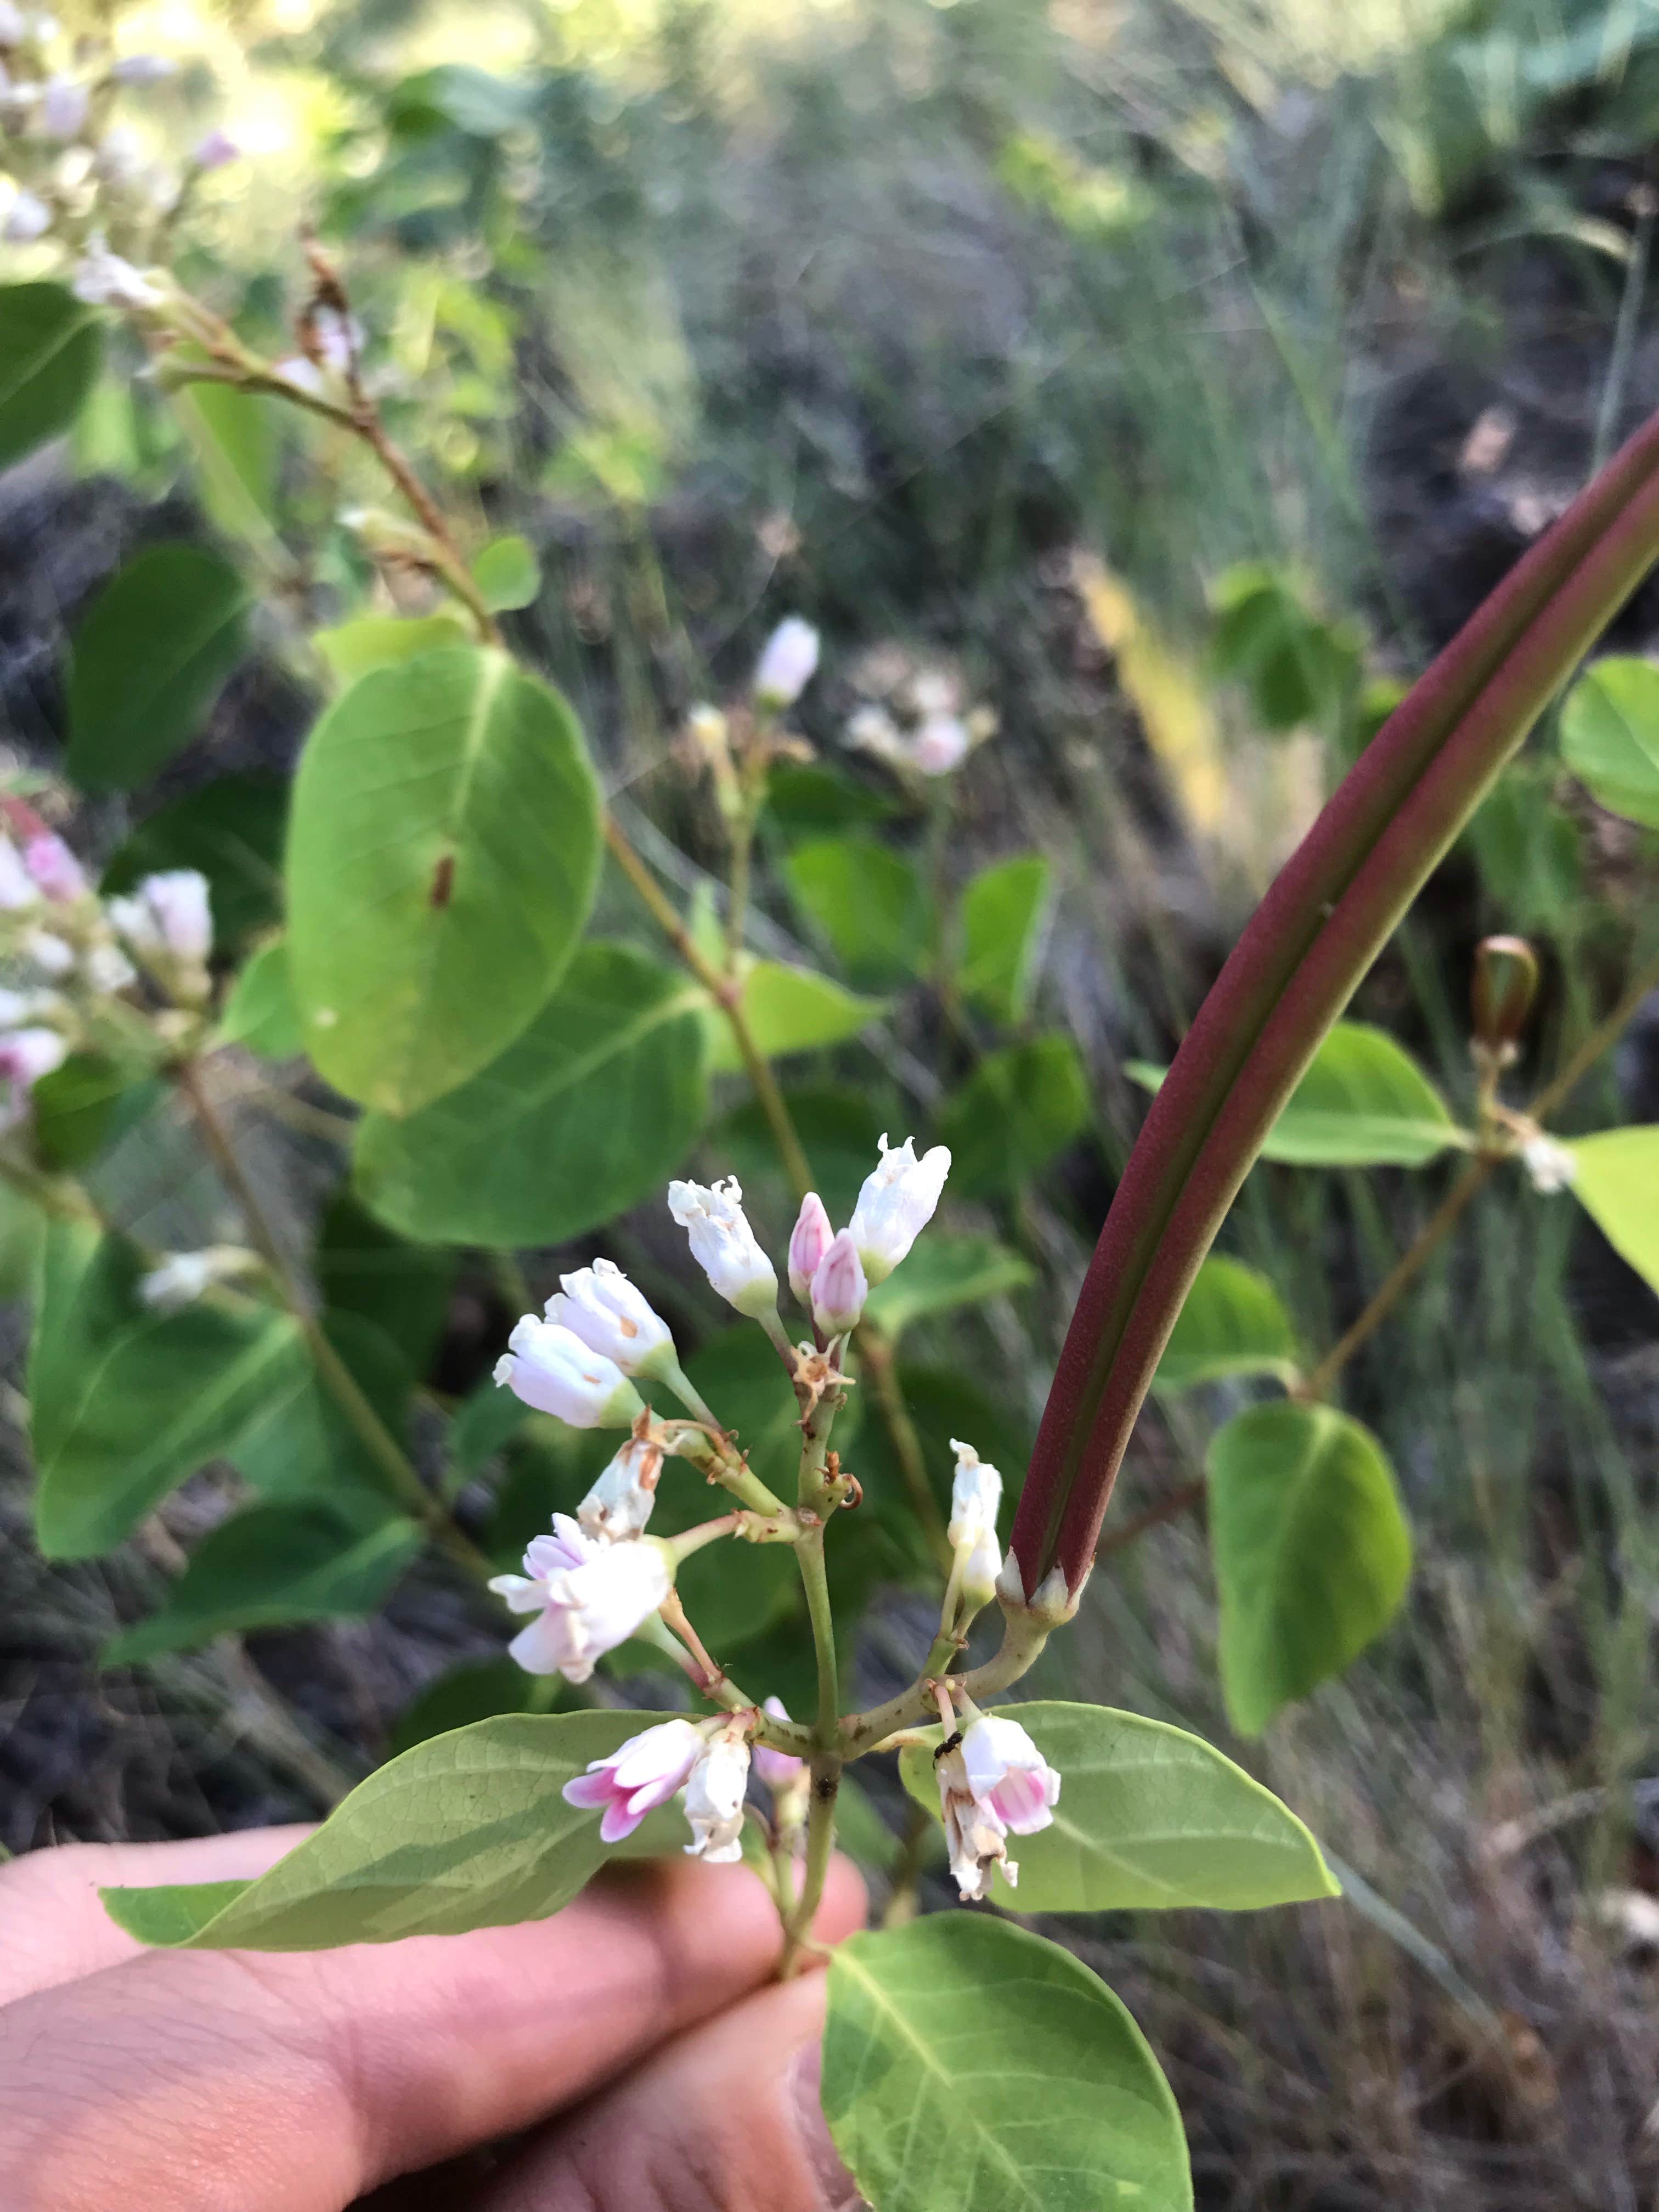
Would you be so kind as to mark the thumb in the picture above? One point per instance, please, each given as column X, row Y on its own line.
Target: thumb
column 724, row 2118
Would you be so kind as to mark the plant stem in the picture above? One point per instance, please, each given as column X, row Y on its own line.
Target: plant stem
column 337, row 1377
column 816, row 1583
column 820, row 1844
column 1022, row 1644
column 1605, row 1034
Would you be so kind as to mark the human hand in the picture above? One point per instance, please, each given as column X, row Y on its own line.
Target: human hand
column 136, row 2080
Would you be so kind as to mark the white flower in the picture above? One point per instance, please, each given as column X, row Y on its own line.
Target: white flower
column 789, row 661
column 601, row 1306
column 723, row 1245
column 639, row 1776
column 144, row 69
column 896, row 1205
column 552, row 1370
column 54, row 867
column 939, row 744
column 587, row 1597
column 177, row 1282
column 27, row 218
column 304, row 375
column 20, row 1007
column 168, row 917
column 1008, row 1775
column 104, row 280
column 1551, row 1167
column 975, row 1835
column 121, row 156
column 17, row 887
column 108, row 969
column 713, row 1798
column 12, row 28
column 619, row 1503
column 778, row 1770
column 976, row 1495
column 26, row 1055
column 65, row 103
column 335, row 340
column 810, row 1240
column 839, row 1287
column 52, row 955
column 872, row 730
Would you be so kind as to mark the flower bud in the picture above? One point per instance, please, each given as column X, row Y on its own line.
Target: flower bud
column 839, row 1288
column 65, row 106
column 896, row 1205
column 588, row 1596
column 108, row 970
column 778, row 1770
column 552, row 1370
column 788, row 661
column 26, row 1055
column 723, row 1245
column 1551, row 1167
column 26, row 219
column 18, row 889
column 713, row 1798
column 144, row 69
column 637, row 1778
column 976, row 1495
column 811, row 1239
column 601, row 1306
column 52, row 955
column 102, row 279
column 54, row 868
column 168, row 918
column 940, row 743
column 13, row 29
column 1501, row 991
column 619, row 1503
column 217, row 151
column 182, row 1277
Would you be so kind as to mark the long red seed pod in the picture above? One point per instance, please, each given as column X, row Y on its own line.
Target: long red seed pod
column 1324, row 920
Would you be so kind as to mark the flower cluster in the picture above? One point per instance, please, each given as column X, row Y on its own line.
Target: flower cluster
column 76, row 174
column 709, row 1760
column 993, row 1783
column 915, row 718
column 71, row 958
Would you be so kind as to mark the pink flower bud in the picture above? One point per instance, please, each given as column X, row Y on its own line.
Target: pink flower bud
column 808, row 1243
column 54, row 867
column 168, row 918
column 588, row 1596
column 25, row 1056
column 778, row 1770
column 144, row 69
column 941, row 744
column 839, row 1288
column 788, row 661
column 65, row 106
column 638, row 1776
column 217, row 151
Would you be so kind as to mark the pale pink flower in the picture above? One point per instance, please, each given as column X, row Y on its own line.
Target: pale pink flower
column 778, row 1770
column 26, row 1055
column 601, row 1306
column 975, row 1834
column 789, row 662
column 839, row 1287
column 588, row 1596
column 723, row 1245
column 896, row 1203
column 1008, row 1775
column 713, row 1798
column 809, row 1240
column 168, row 917
column 637, row 1778
column 54, row 867
column 551, row 1368
column 619, row 1503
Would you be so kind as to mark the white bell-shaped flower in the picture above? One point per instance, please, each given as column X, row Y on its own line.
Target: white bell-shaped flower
column 896, row 1203
column 1008, row 1775
column 975, row 1835
column 587, row 1595
column 789, row 662
column 552, row 1370
column 637, row 1778
column 724, row 1245
column 601, row 1306
column 619, row 1503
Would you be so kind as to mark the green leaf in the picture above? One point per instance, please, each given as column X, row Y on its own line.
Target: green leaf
column 943, row 1272
column 1616, row 1181
column 968, row 2064
column 1148, row 1817
column 1295, row 667
column 442, row 856
column 149, row 656
column 125, row 1403
column 300, row 1446
column 867, row 902
column 807, row 799
column 371, row 641
column 467, row 1831
column 233, row 831
column 588, row 1113
column 839, row 1127
column 403, row 1288
column 1004, row 910
column 269, row 1567
column 1363, row 1103
column 788, row 1010
column 484, row 1420
column 476, row 1690
column 1610, row 736
column 508, row 574
column 1232, row 1324
column 234, row 436
column 85, row 1105
column 23, row 1244
column 260, row 1013
column 1018, row 1109
column 50, row 347
column 1312, row 1553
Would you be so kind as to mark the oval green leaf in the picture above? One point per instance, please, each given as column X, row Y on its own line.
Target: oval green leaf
column 442, row 857
column 592, row 1109
column 1616, row 1180
column 1311, row 1549
column 148, row 659
column 508, row 574
column 970, row 2066
column 1610, row 736
column 942, row 1272
column 1019, row 1108
column 260, row 1013
column 867, row 902
column 270, row 1567
column 466, row 1831
column 1149, row 1817
column 1232, row 1324
column 50, row 346
column 789, row 1010
column 371, row 641
column 1004, row 910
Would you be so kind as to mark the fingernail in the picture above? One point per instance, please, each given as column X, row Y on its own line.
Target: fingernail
column 838, row 2190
